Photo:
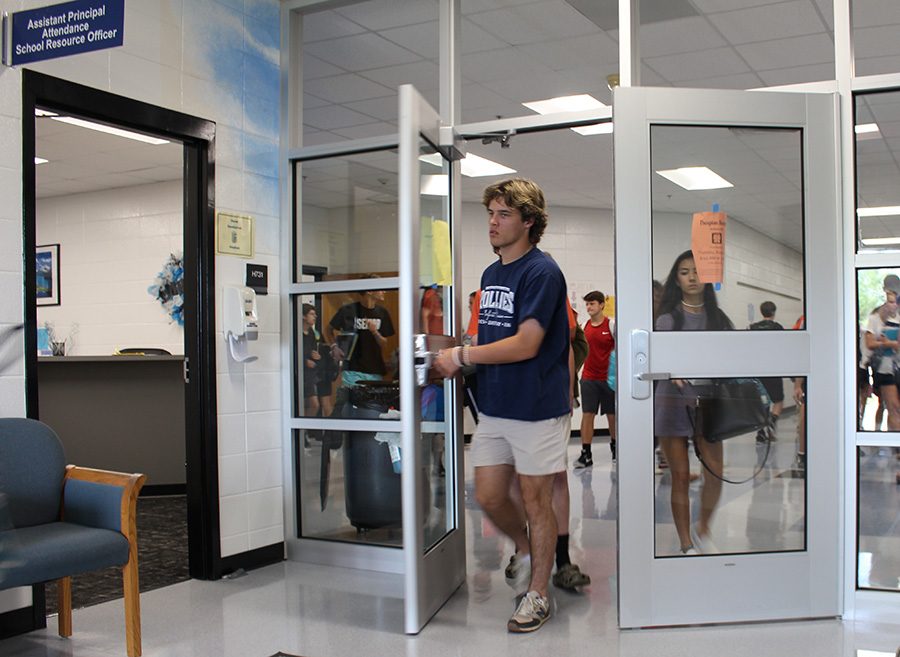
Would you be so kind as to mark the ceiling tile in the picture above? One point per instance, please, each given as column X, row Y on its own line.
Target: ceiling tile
column 499, row 65
column 332, row 117
column 592, row 50
column 421, row 39
column 345, row 88
column 709, row 6
column 783, row 20
column 382, row 14
column 681, row 35
column 876, row 41
column 424, row 75
column 698, row 65
column 739, row 81
column 361, row 52
column 313, row 68
column 798, row 74
column 799, row 51
column 873, row 13
column 551, row 19
column 385, row 109
column 327, row 25
column 876, row 65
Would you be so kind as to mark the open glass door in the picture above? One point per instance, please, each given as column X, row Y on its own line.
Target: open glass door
column 431, row 421
column 726, row 200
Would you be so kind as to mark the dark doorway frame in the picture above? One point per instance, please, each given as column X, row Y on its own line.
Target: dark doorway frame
column 198, row 137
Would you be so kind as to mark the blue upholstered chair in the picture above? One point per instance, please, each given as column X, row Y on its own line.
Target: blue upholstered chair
column 64, row 520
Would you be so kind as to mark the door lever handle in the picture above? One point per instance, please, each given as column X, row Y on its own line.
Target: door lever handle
column 653, row 376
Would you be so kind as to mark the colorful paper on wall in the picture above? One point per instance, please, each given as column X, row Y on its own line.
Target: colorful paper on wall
column 435, row 263
column 708, row 245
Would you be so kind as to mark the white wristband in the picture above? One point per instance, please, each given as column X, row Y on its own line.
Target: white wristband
column 454, row 356
column 465, row 356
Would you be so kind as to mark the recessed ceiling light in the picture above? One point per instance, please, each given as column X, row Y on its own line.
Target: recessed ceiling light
column 881, row 241
column 435, row 185
column 596, row 129
column 695, row 178
column 119, row 132
column 564, row 104
column 864, row 128
column 40, row 160
column 882, row 211
column 473, row 166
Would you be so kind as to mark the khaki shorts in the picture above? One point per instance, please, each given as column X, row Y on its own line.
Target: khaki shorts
column 534, row 448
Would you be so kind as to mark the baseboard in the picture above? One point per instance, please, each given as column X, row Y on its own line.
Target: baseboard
column 257, row 558
column 159, row 490
column 25, row 619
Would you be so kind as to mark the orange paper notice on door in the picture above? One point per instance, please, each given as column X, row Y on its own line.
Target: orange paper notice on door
column 708, row 245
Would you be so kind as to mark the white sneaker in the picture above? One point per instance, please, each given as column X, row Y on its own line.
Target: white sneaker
column 533, row 611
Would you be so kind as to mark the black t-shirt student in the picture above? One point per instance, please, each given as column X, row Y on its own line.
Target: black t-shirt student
column 354, row 317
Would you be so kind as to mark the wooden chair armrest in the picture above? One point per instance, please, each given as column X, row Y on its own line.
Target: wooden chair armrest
column 131, row 484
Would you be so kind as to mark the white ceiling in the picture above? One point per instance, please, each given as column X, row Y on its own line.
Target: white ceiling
column 83, row 160
column 517, row 50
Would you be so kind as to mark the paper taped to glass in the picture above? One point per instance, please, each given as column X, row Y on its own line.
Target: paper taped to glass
column 708, row 245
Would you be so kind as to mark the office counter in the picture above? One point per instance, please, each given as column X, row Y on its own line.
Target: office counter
column 118, row 412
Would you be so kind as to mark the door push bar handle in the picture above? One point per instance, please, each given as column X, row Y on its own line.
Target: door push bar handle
column 640, row 365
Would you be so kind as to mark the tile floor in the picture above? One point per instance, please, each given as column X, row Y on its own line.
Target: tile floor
column 318, row 611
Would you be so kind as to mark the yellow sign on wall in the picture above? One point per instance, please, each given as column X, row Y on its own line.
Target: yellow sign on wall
column 234, row 234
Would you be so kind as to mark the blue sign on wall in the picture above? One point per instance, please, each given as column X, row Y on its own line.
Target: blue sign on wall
column 67, row 29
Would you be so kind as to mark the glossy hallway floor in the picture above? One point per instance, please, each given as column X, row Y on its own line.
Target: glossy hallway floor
column 317, row 611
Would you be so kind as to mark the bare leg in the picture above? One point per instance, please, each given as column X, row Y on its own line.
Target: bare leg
column 675, row 449
column 611, row 418
column 492, row 491
column 537, row 495
column 892, row 402
column 712, row 486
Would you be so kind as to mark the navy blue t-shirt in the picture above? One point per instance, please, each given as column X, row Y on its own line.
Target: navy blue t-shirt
column 537, row 388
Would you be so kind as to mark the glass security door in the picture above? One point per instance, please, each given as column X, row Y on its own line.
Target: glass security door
column 433, row 536
column 375, row 455
column 728, row 307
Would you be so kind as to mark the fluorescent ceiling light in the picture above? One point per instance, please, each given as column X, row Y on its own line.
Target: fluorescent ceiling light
column 695, row 178
column 867, row 131
column 473, row 166
column 435, row 185
column 40, row 160
column 596, row 129
column 882, row 211
column 881, row 241
column 41, row 112
column 119, row 132
column 564, row 104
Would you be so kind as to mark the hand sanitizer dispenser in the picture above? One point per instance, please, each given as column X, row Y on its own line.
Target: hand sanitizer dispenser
column 239, row 320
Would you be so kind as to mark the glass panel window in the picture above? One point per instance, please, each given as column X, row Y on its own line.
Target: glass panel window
column 878, row 564
column 347, row 345
column 878, row 359
column 356, row 56
column 522, row 52
column 877, row 124
column 875, row 46
column 347, row 220
column 731, row 465
column 735, row 44
column 727, row 225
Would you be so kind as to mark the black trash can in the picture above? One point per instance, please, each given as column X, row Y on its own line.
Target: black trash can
column 371, row 487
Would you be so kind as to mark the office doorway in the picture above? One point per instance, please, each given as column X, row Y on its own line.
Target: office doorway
column 193, row 141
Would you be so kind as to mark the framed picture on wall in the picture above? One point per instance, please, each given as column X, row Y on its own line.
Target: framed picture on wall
column 46, row 260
